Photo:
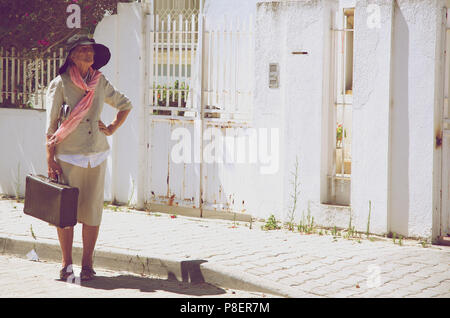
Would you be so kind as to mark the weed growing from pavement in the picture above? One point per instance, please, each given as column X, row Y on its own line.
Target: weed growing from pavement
column 142, row 264
column 295, row 183
column 351, row 232
column 400, row 238
column 132, row 192
column 18, row 181
column 32, row 232
column 368, row 219
column 307, row 226
column 424, row 242
column 112, row 206
column 271, row 224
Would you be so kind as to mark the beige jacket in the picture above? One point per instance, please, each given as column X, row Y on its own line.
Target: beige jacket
column 87, row 137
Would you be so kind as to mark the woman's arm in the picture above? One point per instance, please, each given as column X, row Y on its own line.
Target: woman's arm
column 54, row 100
column 53, row 168
column 115, row 124
column 119, row 101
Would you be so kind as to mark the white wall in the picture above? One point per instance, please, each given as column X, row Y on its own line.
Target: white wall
column 296, row 106
column 22, row 148
column 415, row 116
column 371, row 116
column 122, row 34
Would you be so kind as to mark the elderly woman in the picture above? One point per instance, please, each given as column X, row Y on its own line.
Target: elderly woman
column 77, row 146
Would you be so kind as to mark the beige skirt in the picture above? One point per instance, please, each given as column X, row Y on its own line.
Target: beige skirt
column 91, row 184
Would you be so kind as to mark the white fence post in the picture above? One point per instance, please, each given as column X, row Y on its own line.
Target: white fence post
column 7, row 74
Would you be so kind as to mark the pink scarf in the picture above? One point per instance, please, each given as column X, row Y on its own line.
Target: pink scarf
column 80, row 109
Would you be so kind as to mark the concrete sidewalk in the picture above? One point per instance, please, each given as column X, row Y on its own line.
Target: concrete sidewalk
column 276, row 262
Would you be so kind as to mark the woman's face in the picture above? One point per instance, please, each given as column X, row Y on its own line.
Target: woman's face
column 83, row 54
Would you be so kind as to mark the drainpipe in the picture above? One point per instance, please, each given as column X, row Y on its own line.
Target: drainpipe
column 200, row 75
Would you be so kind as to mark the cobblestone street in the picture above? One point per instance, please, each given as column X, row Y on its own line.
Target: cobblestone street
column 24, row 278
column 232, row 255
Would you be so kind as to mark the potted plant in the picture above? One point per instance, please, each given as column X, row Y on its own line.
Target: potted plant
column 340, row 133
column 170, row 95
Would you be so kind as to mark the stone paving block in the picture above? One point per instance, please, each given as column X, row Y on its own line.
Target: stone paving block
column 427, row 293
column 339, row 274
column 286, row 257
column 349, row 281
column 309, row 286
column 276, row 276
column 338, row 285
column 323, row 280
column 344, row 293
column 291, row 281
column 375, row 294
column 339, row 266
column 293, row 271
column 300, row 278
column 441, row 279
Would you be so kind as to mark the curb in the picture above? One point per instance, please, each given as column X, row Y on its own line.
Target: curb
column 193, row 271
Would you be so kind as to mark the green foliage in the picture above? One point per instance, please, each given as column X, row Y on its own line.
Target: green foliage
column 368, row 219
column 271, row 224
column 42, row 24
column 400, row 239
column 334, row 231
column 167, row 94
column 295, row 184
column 306, row 226
column 32, row 232
column 424, row 242
column 351, row 231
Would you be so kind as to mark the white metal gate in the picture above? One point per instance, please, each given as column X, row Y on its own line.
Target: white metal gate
column 198, row 78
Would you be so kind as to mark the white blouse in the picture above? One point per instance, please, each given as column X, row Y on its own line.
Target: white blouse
column 83, row 160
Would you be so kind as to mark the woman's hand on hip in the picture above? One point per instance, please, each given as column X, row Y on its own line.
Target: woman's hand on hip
column 108, row 131
column 53, row 169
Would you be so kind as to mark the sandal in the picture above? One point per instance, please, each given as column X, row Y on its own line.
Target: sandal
column 87, row 273
column 66, row 272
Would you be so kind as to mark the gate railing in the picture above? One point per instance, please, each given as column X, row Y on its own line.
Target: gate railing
column 23, row 80
column 228, row 69
column 179, row 71
column 172, row 49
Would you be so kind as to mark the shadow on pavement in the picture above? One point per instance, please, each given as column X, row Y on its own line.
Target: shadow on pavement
column 149, row 285
column 192, row 282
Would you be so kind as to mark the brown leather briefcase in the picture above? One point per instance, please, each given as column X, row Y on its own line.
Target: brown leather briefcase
column 51, row 201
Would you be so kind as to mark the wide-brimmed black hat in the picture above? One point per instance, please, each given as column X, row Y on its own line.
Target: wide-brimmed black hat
column 101, row 55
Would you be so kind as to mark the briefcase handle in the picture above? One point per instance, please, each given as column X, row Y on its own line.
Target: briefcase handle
column 57, row 180
column 60, row 181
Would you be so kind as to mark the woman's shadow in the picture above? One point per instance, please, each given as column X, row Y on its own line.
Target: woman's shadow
column 192, row 284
